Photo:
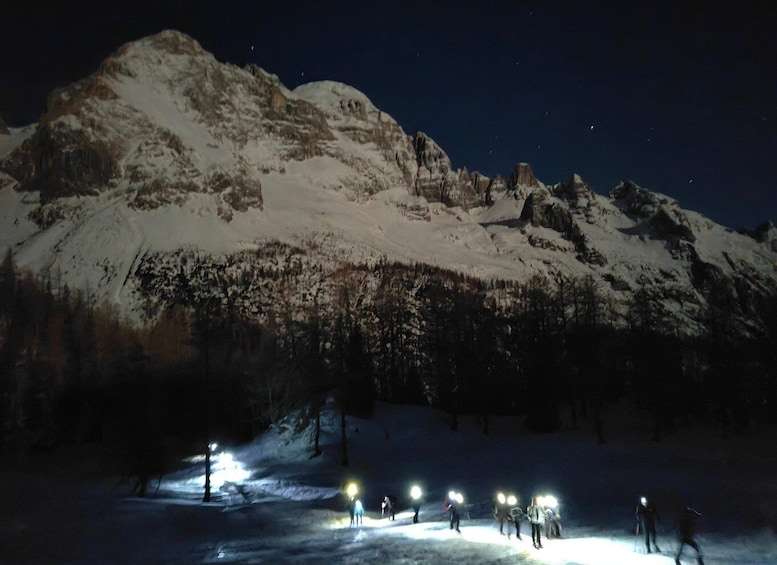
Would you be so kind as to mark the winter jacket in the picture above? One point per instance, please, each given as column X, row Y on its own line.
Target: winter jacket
column 516, row 514
column 536, row 514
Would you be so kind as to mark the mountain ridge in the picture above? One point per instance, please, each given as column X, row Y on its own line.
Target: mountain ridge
column 164, row 148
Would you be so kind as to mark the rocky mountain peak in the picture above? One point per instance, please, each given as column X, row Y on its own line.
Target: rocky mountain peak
column 338, row 101
column 351, row 113
column 155, row 118
column 576, row 192
column 163, row 130
column 524, row 176
column 430, row 156
column 638, row 201
column 165, row 42
column 436, row 181
column 522, row 181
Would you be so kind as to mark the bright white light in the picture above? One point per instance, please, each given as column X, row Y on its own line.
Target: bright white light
column 352, row 489
column 643, row 501
column 452, row 495
column 213, row 446
column 548, row 501
column 511, row 500
column 459, row 498
column 415, row 492
column 224, row 469
column 501, row 498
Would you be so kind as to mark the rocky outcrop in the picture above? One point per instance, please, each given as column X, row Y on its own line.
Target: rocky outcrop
column 59, row 160
column 522, row 181
column 433, row 169
column 575, row 192
column 670, row 225
column 107, row 130
column 435, row 181
column 349, row 112
column 541, row 209
column 765, row 233
column 637, row 201
column 3, row 126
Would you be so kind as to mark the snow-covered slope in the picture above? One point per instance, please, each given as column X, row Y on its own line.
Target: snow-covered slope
column 164, row 148
column 57, row 511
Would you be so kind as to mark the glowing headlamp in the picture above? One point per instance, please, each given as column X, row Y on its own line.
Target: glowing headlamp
column 415, row 492
column 500, row 498
column 352, row 489
column 512, row 500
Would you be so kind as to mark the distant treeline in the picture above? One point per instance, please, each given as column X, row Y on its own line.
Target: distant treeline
column 233, row 348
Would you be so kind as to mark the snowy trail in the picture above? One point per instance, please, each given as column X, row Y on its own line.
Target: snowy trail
column 55, row 513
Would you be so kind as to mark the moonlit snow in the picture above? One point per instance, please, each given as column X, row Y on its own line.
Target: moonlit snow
column 295, row 508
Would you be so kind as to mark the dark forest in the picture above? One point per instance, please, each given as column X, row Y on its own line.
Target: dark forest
column 228, row 352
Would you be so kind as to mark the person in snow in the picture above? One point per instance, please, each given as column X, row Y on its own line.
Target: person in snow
column 515, row 516
column 388, row 507
column 452, row 507
column 416, row 510
column 351, row 505
column 552, row 523
column 646, row 522
column 358, row 511
column 536, row 514
column 501, row 512
column 687, row 531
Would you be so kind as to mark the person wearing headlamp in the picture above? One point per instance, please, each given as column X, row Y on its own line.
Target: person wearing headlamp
column 501, row 511
column 646, row 522
column 536, row 514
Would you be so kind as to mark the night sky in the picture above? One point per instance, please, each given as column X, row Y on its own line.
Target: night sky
column 680, row 97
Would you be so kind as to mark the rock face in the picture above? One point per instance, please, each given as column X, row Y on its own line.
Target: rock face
column 164, row 148
column 576, row 192
column 433, row 179
column 637, row 201
column 522, row 181
column 3, row 126
column 123, row 126
column 351, row 118
column 156, row 116
column 61, row 161
column 436, row 181
column 765, row 233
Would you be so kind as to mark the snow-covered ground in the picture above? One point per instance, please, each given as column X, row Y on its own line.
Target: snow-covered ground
column 57, row 510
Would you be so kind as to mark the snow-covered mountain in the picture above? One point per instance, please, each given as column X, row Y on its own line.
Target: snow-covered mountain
column 165, row 153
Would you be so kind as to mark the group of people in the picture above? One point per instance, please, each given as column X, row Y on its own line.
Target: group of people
column 388, row 508
column 540, row 517
column 647, row 516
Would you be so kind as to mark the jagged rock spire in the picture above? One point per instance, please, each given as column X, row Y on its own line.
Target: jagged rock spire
column 522, row 175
